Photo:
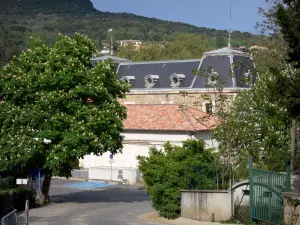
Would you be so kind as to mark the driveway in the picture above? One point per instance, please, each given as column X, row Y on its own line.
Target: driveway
column 116, row 205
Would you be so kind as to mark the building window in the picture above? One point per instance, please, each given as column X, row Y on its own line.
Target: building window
column 209, row 108
column 151, row 80
column 176, row 79
column 128, row 79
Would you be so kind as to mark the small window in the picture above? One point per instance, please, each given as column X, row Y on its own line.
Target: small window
column 176, row 79
column 151, row 80
column 209, row 108
column 128, row 79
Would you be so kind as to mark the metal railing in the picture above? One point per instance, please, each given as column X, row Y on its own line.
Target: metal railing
column 10, row 218
column 266, row 200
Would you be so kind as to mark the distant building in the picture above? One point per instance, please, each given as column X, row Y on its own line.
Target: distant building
column 135, row 43
column 104, row 51
column 256, row 47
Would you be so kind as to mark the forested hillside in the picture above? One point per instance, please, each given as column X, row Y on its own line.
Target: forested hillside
column 20, row 19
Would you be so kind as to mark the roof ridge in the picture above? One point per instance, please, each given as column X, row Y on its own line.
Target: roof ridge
column 161, row 62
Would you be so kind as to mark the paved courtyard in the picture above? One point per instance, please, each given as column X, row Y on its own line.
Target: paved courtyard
column 114, row 205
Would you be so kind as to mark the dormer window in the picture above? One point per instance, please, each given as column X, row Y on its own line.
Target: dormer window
column 151, row 80
column 248, row 78
column 212, row 78
column 128, row 79
column 176, row 79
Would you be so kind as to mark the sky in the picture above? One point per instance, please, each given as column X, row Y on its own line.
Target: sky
column 202, row 13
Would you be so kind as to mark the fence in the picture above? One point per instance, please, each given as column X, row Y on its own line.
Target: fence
column 266, row 188
column 80, row 174
column 10, row 218
column 125, row 174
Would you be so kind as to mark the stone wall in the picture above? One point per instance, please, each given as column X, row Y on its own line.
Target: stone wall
column 191, row 98
column 292, row 208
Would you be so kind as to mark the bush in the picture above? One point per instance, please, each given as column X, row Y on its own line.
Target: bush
column 7, row 182
column 16, row 198
column 167, row 172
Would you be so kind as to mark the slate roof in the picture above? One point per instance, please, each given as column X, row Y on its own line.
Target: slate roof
column 164, row 69
column 220, row 64
column 167, row 118
column 221, row 60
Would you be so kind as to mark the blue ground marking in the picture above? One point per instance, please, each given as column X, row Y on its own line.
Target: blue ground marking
column 88, row 185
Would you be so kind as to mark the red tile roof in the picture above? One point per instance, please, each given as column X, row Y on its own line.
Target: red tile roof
column 167, row 117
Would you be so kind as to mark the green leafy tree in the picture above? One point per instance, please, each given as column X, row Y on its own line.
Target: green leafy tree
column 56, row 108
column 183, row 47
column 166, row 172
column 221, row 41
column 254, row 127
column 283, row 19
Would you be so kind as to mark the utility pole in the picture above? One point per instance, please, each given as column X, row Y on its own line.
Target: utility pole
column 111, row 42
column 230, row 27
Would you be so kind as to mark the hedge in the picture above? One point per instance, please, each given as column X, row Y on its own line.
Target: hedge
column 15, row 199
column 7, row 182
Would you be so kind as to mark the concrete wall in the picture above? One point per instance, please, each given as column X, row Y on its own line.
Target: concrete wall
column 210, row 205
column 126, row 174
column 292, row 211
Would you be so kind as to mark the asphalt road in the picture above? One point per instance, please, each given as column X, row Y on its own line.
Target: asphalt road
column 117, row 205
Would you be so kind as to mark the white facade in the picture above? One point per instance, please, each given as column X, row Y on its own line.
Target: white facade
column 136, row 143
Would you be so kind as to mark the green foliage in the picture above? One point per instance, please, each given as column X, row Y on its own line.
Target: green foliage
column 283, row 19
column 16, row 198
column 44, row 19
column 166, row 172
column 185, row 46
column 255, row 127
column 287, row 17
column 75, row 164
column 7, row 182
column 221, row 42
column 46, row 93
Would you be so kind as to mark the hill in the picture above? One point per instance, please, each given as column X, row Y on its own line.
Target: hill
column 20, row 19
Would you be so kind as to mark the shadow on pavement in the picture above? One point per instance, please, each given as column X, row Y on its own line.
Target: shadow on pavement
column 113, row 194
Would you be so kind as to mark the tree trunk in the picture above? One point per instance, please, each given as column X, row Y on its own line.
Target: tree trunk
column 45, row 188
column 293, row 143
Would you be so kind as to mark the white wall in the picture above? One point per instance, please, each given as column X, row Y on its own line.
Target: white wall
column 207, row 136
column 126, row 174
column 138, row 143
column 211, row 205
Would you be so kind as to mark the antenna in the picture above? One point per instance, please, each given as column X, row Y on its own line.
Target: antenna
column 111, row 41
column 230, row 27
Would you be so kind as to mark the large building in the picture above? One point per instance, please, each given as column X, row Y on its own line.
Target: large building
column 158, row 89
column 163, row 82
